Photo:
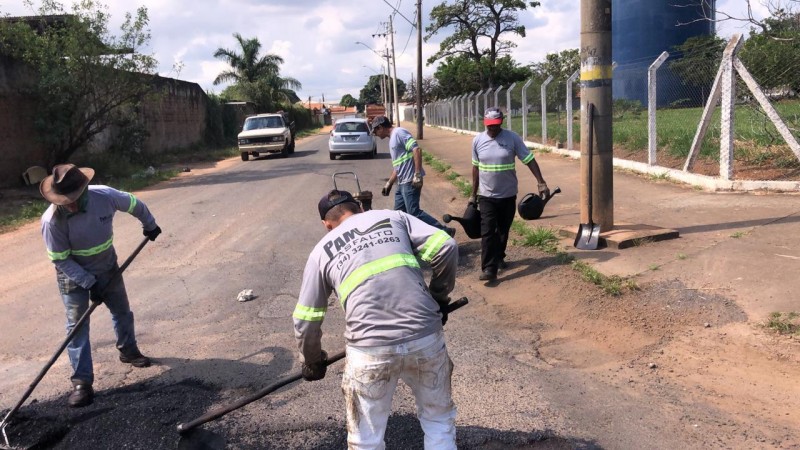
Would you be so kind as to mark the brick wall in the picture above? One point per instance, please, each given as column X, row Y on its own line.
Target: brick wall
column 175, row 117
column 18, row 148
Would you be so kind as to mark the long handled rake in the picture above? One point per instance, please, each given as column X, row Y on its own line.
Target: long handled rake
column 75, row 329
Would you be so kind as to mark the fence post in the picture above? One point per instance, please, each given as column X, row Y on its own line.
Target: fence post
column 570, row 81
column 708, row 110
column 525, row 108
column 727, row 107
column 496, row 94
column 544, row 108
column 508, row 104
column 652, row 105
column 485, row 100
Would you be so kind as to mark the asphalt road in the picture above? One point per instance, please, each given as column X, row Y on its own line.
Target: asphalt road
column 251, row 225
column 246, row 225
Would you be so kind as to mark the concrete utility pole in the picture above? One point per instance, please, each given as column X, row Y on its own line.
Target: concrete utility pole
column 394, row 71
column 419, row 70
column 596, row 72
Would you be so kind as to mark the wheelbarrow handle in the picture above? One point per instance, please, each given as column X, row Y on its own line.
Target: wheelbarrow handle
column 358, row 185
column 221, row 411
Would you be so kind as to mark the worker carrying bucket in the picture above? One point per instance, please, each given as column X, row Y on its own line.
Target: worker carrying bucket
column 362, row 197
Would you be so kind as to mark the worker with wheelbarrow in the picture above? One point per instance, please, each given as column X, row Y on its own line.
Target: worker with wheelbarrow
column 78, row 233
column 394, row 320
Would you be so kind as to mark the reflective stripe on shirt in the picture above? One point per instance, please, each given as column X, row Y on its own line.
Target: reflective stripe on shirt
column 433, row 245
column 373, row 268
column 133, row 203
column 309, row 314
column 58, row 256
column 402, row 159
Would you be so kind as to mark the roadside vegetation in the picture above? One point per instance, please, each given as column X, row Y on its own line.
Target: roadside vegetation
column 785, row 323
column 541, row 238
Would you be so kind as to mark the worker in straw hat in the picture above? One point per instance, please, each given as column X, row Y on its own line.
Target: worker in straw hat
column 78, row 233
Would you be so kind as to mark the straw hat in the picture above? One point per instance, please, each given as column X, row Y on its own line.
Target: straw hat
column 66, row 184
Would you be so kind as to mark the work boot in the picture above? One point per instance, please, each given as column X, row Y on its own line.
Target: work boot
column 134, row 357
column 450, row 230
column 82, row 395
column 487, row 275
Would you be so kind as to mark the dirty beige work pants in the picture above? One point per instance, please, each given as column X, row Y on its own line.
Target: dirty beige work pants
column 369, row 381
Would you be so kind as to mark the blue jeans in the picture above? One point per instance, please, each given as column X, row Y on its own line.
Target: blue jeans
column 369, row 382
column 76, row 302
column 406, row 199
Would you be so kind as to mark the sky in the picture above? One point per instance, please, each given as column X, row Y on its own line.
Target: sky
column 317, row 38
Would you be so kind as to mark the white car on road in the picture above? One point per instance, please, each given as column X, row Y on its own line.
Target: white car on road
column 351, row 136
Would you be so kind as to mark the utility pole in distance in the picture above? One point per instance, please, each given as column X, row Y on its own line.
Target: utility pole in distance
column 419, row 71
column 596, row 74
column 394, row 70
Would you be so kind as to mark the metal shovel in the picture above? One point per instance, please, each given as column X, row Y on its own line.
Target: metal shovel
column 75, row 329
column 193, row 438
column 588, row 236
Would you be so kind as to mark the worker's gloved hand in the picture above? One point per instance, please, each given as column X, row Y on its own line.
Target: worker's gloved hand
column 473, row 199
column 152, row 234
column 96, row 291
column 442, row 299
column 443, row 311
column 316, row 371
column 416, row 181
column 386, row 189
column 544, row 191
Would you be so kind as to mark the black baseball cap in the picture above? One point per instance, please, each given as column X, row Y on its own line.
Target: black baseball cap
column 333, row 198
column 380, row 121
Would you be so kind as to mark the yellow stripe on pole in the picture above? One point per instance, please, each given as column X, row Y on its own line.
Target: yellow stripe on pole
column 591, row 73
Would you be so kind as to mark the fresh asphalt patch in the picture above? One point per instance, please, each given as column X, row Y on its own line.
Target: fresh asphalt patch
column 145, row 415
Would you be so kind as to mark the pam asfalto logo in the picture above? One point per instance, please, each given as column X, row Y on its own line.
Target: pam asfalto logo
column 355, row 236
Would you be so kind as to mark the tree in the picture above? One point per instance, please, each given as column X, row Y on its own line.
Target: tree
column 429, row 89
column 475, row 23
column 256, row 78
column 86, row 80
column 457, row 75
column 348, row 100
column 371, row 92
column 697, row 61
column 777, row 9
column 560, row 66
column 772, row 53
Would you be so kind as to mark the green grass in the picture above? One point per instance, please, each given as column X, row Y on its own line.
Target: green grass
column 29, row 211
column 544, row 239
column 784, row 323
column 758, row 141
column 122, row 173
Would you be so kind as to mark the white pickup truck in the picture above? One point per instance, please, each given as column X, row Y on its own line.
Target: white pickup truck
column 266, row 133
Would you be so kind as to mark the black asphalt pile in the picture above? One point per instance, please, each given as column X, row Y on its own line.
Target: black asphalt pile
column 139, row 416
column 145, row 415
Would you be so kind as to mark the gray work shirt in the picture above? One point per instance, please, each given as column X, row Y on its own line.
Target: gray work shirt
column 494, row 159
column 81, row 244
column 371, row 261
column 401, row 149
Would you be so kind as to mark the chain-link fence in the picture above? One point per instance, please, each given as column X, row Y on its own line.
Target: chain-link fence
column 658, row 112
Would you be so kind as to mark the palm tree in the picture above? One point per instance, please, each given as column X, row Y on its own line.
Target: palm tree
column 257, row 78
column 246, row 66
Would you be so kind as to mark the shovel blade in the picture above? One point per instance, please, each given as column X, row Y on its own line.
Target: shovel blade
column 588, row 237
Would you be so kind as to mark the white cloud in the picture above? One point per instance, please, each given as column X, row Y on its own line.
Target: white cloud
column 317, row 38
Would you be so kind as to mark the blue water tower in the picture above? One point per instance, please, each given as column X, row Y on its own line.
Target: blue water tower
column 640, row 31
